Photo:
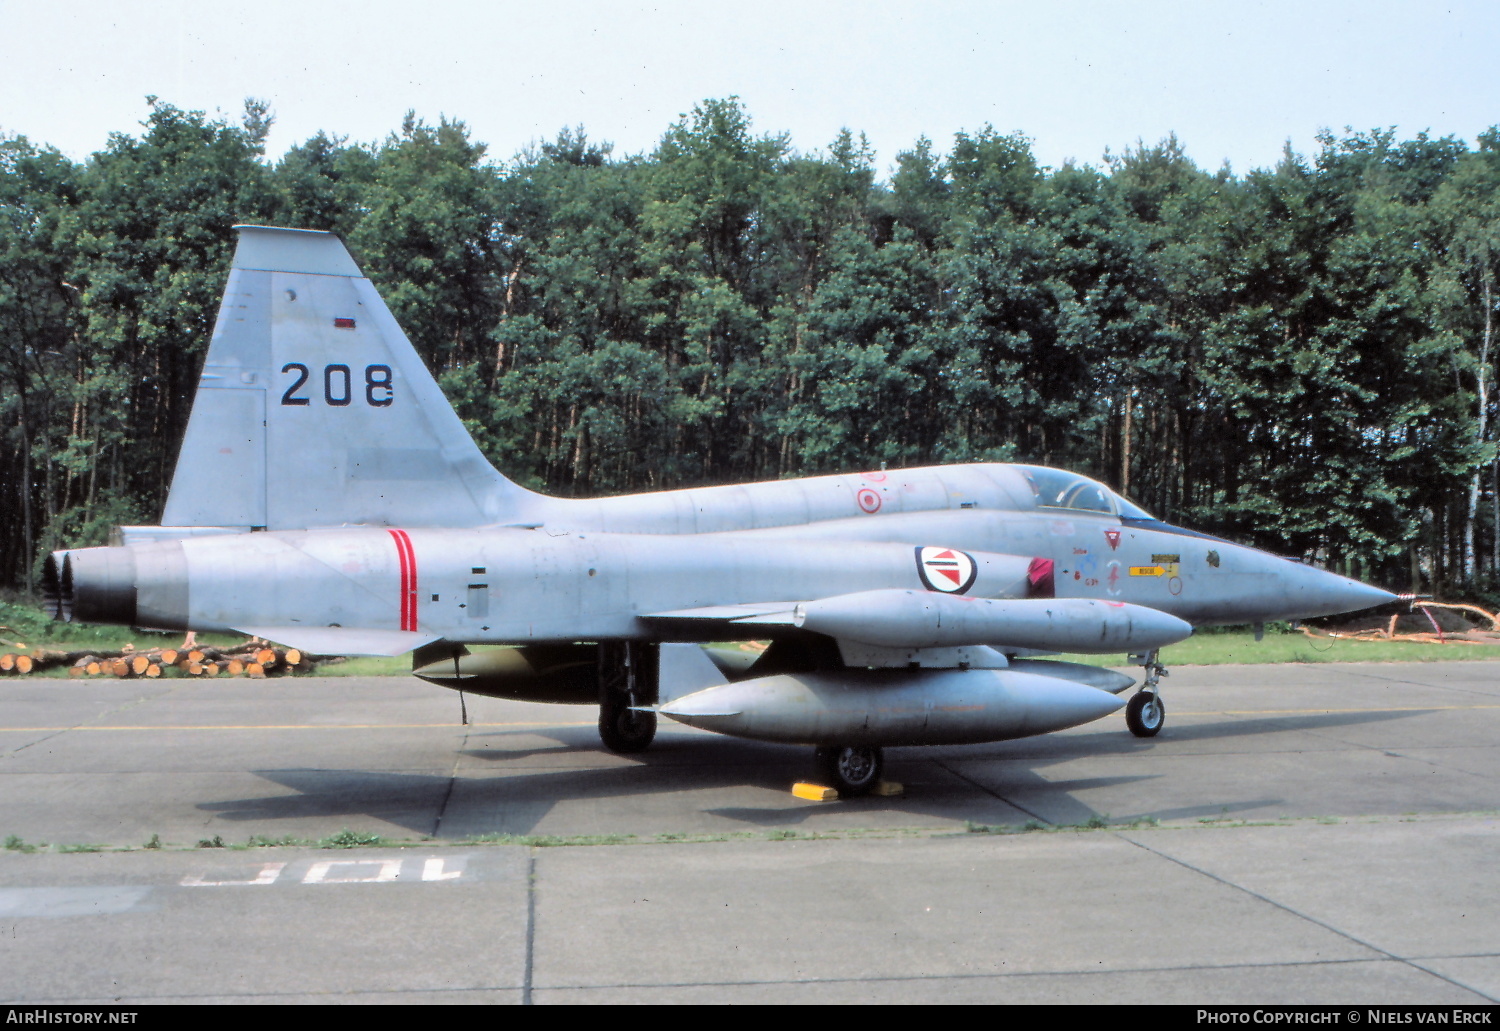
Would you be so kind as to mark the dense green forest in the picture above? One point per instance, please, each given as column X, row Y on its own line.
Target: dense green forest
column 1299, row 357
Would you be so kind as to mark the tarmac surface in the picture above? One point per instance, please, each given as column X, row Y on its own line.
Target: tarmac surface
column 1312, row 833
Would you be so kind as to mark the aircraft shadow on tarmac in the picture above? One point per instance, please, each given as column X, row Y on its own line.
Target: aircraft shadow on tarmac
column 1073, row 746
column 518, row 804
column 937, row 785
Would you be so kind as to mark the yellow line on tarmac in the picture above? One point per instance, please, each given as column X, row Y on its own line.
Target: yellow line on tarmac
column 1310, row 712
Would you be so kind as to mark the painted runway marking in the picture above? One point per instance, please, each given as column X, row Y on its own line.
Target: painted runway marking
column 268, row 874
column 322, row 873
column 432, row 870
column 383, row 870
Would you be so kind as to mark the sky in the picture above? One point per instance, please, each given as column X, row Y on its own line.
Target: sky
column 1234, row 80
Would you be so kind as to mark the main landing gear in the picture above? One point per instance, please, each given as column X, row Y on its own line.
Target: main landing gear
column 1145, row 714
column 628, row 678
column 851, row 771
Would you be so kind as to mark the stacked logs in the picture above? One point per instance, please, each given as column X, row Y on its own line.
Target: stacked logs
column 1470, row 635
column 251, row 660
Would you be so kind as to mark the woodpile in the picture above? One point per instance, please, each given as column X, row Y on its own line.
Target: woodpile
column 1470, row 634
column 255, row 659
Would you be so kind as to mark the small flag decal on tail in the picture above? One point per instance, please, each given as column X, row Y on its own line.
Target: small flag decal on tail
column 946, row 570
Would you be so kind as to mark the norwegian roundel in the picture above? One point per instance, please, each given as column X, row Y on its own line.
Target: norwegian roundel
column 946, row 570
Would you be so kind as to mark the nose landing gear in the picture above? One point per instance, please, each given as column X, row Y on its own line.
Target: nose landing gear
column 1145, row 715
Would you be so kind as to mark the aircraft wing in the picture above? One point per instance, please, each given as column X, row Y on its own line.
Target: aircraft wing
column 340, row 640
column 770, row 612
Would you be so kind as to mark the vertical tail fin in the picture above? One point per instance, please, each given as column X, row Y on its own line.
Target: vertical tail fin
column 315, row 410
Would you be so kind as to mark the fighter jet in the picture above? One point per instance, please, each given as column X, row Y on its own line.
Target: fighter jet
column 352, row 513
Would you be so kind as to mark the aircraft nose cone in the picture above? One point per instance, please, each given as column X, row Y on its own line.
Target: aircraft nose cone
column 1320, row 593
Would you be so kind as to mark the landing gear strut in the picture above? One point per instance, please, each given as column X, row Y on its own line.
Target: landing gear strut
column 628, row 674
column 851, row 771
column 1145, row 714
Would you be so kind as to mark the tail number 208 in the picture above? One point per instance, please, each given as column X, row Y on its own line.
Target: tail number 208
column 338, row 389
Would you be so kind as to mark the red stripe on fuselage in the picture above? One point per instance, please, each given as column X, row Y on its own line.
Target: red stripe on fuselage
column 406, row 555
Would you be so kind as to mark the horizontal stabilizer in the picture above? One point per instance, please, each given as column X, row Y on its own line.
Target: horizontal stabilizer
column 339, row 640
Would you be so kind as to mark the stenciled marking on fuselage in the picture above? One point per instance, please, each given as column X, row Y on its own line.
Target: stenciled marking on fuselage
column 1088, row 566
column 407, row 558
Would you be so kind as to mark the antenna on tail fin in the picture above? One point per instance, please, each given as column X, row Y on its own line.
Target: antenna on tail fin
column 315, row 410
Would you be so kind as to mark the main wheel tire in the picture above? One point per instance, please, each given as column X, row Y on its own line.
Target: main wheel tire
column 626, row 730
column 1145, row 715
column 852, row 771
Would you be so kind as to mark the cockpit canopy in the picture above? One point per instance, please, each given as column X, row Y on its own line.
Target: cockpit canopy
column 1057, row 488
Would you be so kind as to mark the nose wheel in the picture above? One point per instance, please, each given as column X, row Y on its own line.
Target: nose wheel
column 1146, row 714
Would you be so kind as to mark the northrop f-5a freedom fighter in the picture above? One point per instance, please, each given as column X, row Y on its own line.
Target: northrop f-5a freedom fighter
column 355, row 515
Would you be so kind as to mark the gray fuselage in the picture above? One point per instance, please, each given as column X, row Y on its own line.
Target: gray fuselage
column 586, row 570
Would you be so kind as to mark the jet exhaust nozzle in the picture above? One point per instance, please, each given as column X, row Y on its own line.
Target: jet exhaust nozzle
column 56, row 602
column 94, row 585
column 143, row 586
